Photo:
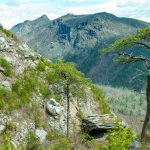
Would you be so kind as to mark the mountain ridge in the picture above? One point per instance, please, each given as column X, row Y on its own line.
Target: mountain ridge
column 78, row 38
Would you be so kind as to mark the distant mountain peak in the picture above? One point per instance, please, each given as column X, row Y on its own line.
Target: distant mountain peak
column 43, row 17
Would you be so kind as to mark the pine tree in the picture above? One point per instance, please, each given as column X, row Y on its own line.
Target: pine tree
column 125, row 50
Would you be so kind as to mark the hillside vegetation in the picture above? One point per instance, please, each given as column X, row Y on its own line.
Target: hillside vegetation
column 33, row 102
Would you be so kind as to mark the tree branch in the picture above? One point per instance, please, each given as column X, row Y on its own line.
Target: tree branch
column 143, row 44
column 133, row 57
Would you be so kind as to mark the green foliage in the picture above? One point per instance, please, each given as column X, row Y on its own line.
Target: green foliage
column 86, row 137
column 121, row 47
column 2, row 104
column 4, row 94
column 37, row 119
column 45, row 91
column 8, row 33
column 99, row 96
column 62, row 144
column 11, row 126
column 42, row 65
column 119, row 138
column 32, row 142
column 7, row 145
column 7, row 67
column 54, row 135
column 80, row 115
column 66, row 71
column 17, row 86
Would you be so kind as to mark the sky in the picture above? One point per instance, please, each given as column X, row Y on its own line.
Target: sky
column 13, row 12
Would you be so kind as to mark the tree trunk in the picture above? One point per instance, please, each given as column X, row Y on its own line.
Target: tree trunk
column 68, row 108
column 147, row 117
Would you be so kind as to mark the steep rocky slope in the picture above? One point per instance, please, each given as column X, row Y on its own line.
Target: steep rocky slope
column 78, row 38
column 33, row 100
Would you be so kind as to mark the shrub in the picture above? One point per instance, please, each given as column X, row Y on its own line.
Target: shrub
column 30, row 83
column 45, row 91
column 11, row 126
column 4, row 94
column 41, row 66
column 8, row 33
column 119, row 139
column 63, row 144
column 2, row 104
column 7, row 145
column 7, row 67
column 16, row 87
column 86, row 137
column 99, row 96
column 32, row 142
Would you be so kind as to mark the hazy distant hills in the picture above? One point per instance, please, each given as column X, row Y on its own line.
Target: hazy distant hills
column 78, row 38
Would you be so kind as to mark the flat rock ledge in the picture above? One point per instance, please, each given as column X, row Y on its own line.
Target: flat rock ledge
column 98, row 124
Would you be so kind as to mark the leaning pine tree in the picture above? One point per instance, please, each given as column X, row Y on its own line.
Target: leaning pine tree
column 126, row 50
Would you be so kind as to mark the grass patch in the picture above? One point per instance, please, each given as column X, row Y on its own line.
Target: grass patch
column 7, row 67
column 99, row 96
column 8, row 33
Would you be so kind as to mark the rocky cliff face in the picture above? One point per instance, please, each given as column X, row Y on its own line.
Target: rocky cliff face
column 78, row 38
column 31, row 103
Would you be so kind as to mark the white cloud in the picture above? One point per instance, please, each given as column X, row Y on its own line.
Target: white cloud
column 16, row 11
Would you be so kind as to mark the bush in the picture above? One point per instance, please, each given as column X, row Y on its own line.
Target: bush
column 86, row 137
column 16, row 87
column 99, row 96
column 7, row 145
column 32, row 142
column 7, row 67
column 42, row 65
column 8, row 33
column 30, row 83
column 63, row 144
column 11, row 126
column 2, row 104
column 4, row 94
column 45, row 91
column 119, row 139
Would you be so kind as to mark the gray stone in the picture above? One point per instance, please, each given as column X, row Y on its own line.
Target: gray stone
column 2, row 128
column 41, row 134
column 6, row 84
column 135, row 145
column 2, row 69
column 54, row 108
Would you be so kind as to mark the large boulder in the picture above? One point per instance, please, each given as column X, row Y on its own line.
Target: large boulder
column 54, row 108
column 56, row 116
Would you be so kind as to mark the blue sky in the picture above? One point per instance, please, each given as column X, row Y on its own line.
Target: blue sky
column 16, row 11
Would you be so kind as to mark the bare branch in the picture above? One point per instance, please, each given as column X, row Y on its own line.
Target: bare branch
column 143, row 44
column 135, row 58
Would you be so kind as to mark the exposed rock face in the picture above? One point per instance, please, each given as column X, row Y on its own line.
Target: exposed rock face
column 41, row 134
column 78, row 39
column 23, row 130
column 3, row 120
column 98, row 124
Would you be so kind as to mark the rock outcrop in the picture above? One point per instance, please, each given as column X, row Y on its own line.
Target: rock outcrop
column 98, row 124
